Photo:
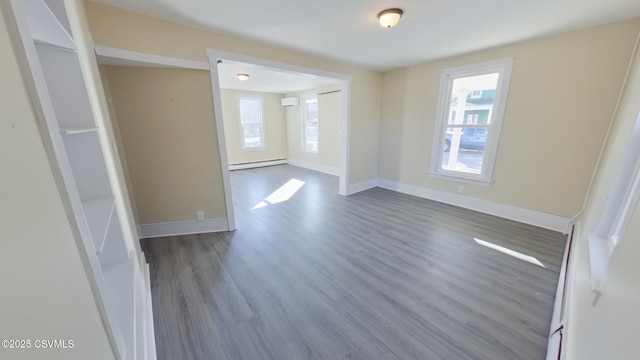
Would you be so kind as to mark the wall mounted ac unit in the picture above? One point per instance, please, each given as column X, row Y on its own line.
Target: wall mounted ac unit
column 290, row 101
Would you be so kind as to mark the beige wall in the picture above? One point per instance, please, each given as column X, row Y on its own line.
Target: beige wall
column 607, row 331
column 166, row 123
column 131, row 31
column 273, row 125
column 45, row 292
column 330, row 106
column 118, row 141
column 563, row 90
column 561, row 98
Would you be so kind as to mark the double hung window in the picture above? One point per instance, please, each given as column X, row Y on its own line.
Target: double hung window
column 470, row 109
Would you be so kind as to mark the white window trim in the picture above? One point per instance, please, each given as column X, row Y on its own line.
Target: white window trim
column 304, row 123
column 263, row 135
column 503, row 67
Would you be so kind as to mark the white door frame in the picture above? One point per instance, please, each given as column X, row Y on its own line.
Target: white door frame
column 345, row 80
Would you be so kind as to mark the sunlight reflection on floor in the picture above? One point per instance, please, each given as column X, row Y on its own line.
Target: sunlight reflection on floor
column 515, row 254
column 282, row 194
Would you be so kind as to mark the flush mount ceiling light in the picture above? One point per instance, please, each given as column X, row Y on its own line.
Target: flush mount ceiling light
column 243, row 77
column 390, row 17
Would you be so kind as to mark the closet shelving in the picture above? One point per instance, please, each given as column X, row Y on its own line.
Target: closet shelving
column 116, row 269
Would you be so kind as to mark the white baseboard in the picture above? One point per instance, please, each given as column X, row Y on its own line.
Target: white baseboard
column 362, row 186
column 256, row 164
column 531, row 217
column 182, row 228
column 317, row 167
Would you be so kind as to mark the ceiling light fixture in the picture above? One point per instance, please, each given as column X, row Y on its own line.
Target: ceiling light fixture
column 243, row 77
column 390, row 17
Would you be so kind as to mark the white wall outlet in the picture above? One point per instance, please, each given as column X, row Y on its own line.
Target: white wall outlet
column 460, row 189
column 200, row 215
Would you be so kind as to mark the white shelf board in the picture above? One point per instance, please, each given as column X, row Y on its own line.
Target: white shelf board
column 75, row 131
column 119, row 57
column 98, row 213
column 120, row 290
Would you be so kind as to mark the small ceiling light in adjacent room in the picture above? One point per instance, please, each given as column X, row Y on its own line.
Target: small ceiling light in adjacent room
column 243, row 77
column 390, row 17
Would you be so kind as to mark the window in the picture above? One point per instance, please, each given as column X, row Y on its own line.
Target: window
column 251, row 122
column 310, row 128
column 470, row 108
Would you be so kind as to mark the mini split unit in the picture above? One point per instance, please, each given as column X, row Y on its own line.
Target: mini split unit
column 290, row 101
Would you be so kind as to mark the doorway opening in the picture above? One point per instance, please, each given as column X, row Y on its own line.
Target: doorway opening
column 248, row 93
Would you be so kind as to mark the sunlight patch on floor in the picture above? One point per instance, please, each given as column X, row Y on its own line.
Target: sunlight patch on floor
column 282, row 194
column 515, row 254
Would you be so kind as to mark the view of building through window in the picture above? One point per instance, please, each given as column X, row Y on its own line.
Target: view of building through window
column 311, row 125
column 468, row 127
column 471, row 106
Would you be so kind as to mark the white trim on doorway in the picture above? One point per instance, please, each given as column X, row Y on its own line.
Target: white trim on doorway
column 215, row 55
column 112, row 56
column 108, row 55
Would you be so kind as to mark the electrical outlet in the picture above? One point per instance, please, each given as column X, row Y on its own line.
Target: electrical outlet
column 200, row 215
column 460, row 189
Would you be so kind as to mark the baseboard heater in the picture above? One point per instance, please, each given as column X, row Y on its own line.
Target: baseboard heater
column 257, row 164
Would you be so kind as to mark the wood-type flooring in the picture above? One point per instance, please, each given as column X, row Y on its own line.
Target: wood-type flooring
column 375, row 275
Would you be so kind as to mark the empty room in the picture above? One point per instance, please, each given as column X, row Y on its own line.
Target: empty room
column 320, row 180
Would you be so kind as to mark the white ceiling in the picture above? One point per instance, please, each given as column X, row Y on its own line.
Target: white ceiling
column 267, row 79
column 261, row 78
column 348, row 30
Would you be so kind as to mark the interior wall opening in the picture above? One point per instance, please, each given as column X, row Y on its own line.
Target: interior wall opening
column 270, row 113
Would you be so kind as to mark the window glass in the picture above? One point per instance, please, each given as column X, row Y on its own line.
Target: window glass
column 311, row 128
column 251, row 121
column 472, row 101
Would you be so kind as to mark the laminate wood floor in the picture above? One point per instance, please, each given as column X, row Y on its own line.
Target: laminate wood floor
column 376, row 275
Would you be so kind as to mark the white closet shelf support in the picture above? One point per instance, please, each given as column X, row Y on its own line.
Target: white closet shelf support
column 84, row 169
column 45, row 27
column 99, row 213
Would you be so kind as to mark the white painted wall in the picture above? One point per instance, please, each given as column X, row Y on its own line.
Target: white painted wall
column 273, row 127
column 164, row 117
column 146, row 34
column 330, row 106
column 610, row 329
column 562, row 93
column 45, row 292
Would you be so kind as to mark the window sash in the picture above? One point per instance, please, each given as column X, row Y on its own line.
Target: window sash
column 503, row 69
column 308, row 145
column 249, row 121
